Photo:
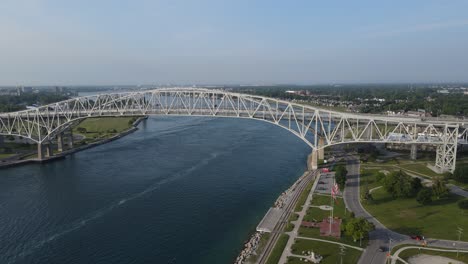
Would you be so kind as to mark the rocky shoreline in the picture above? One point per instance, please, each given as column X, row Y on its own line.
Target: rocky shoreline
column 279, row 203
column 251, row 246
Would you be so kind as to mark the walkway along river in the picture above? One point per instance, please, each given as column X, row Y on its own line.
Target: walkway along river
column 178, row 190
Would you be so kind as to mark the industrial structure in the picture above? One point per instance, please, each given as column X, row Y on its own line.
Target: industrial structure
column 318, row 128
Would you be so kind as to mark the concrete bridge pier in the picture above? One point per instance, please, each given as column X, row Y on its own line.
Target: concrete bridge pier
column 40, row 151
column 60, row 142
column 312, row 160
column 321, row 151
column 414, row 152
column 49, row 150
column 70, row 139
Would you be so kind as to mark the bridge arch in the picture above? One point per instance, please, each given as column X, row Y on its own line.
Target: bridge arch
column 317, row 127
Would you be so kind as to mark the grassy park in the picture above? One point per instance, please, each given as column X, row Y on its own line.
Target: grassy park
column 439, row 219
column 6, row 155
column 103, row 127
column 327, row 250
column 317, row 214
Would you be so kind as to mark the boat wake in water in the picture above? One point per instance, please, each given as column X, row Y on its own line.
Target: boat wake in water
column 34, row 245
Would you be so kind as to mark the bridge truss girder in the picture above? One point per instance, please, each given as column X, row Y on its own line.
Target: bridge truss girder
column 306, row 122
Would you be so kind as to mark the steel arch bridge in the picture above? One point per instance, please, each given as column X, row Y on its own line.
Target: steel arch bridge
column 318, row 128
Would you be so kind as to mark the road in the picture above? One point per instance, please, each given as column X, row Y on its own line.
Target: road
column 381, row 235
column 278, row 230
column 457, row 190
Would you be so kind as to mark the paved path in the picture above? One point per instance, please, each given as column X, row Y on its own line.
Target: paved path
column 457, row 190
column 396, row 257
column 331, row 242
column 297, row 223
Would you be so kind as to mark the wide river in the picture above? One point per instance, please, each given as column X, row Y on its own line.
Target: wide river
column 178, row 190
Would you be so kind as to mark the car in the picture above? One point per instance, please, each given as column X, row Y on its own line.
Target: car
column 417, row 237
column 382, row 249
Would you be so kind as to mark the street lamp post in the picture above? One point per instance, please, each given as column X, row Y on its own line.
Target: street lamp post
column 460, row 232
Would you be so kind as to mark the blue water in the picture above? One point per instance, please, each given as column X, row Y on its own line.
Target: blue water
column 178, row 190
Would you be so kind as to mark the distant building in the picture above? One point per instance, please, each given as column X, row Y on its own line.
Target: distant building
column 23, row 89
column 60, row 89
column 443, row 91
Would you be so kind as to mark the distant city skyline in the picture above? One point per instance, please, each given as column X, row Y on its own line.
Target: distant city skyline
column 47, row 42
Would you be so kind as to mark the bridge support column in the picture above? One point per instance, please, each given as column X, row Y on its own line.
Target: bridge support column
column 49, row 151
column 40, row 151
column 60, row 142
column 414, row 152
column 312, row 160
column 70, row 139
column 321, row 151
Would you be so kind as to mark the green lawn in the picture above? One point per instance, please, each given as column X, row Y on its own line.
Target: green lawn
column 3, row 155
column 104, row 127
column 314, row 213
column 339, row 206
column 406, row 254
column 368, row 179
column 439, row 219
column 277, row 251
column 330, row 252
column 289, row 226
column 420, row 168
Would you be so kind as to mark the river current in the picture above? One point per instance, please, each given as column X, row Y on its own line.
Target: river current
column 178, row 190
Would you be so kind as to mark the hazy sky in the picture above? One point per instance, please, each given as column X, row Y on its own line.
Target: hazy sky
column 148, row 42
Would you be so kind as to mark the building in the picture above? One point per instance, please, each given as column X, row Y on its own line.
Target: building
column 23, row 89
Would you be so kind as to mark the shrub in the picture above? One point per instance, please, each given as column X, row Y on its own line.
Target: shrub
column 379, row 176
column 424, row 196
column 463, row 204
column 461, row 174
column 81, row 130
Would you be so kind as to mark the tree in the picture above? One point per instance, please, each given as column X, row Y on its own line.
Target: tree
column 366, row 196
column 424, row 196
column 81, row 130
column 340, row 175
column 379, row 176
column 358, row 228
column 401, row 185
column 438, row 188
column 461, row 174
column 463, row 204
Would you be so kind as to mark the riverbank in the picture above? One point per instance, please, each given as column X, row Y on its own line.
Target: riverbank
column 11, row 163
column 256, row 245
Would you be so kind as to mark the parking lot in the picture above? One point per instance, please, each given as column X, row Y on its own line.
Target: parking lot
column 325, row 182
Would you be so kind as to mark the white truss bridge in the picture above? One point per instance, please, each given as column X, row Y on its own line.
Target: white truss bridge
column 318, row 128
